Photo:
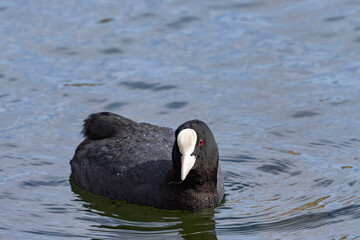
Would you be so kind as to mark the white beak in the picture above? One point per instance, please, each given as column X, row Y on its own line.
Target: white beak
column 186, row 141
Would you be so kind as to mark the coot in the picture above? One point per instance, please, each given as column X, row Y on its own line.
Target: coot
column 149, row 165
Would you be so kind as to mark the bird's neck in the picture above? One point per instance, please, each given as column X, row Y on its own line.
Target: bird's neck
column 205, row 181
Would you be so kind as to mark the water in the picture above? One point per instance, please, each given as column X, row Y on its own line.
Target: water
column 278, row 83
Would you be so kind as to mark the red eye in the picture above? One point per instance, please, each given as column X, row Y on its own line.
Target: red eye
column 201, row 142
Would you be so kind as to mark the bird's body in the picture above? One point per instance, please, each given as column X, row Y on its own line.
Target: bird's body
column 139, row 163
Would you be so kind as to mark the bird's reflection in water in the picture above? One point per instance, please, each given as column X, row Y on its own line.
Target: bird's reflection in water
column 119, row 219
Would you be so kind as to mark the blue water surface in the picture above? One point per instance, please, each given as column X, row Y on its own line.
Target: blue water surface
column 277, row 82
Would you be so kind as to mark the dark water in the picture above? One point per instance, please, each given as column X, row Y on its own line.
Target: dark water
column 277, row 81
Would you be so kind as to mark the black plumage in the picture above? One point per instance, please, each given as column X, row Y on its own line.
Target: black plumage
column 140, row 163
